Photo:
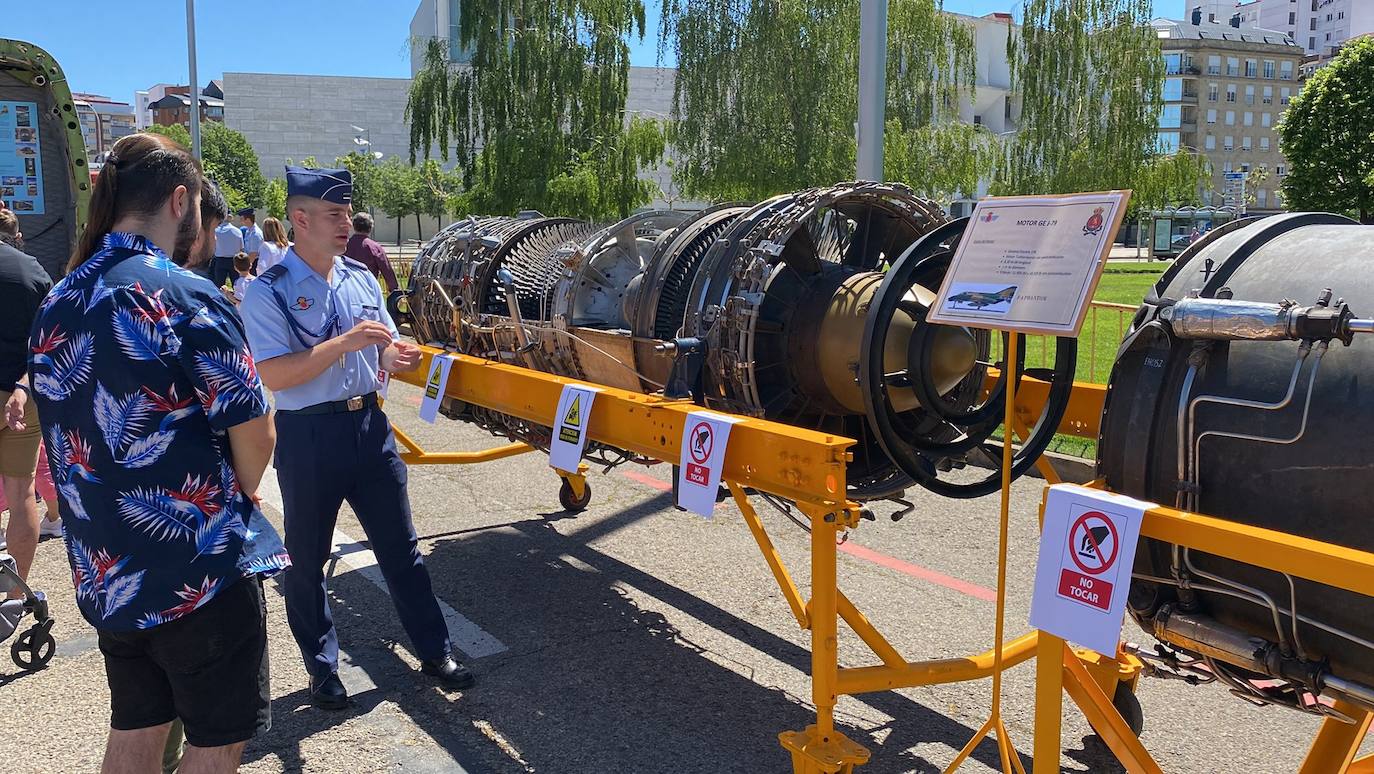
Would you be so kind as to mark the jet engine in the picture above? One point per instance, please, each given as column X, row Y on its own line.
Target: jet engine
column 808, row 309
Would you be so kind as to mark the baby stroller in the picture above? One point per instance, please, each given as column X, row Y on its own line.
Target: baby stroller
column 35, row 647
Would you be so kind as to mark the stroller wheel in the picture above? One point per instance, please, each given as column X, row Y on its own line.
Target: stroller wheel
column 34, row 648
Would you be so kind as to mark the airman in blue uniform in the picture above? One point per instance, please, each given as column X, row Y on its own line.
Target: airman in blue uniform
column 319, row 330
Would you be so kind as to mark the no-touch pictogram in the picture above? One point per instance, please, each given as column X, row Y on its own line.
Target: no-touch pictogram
column 1093, row 543
column 702, row 441
column 1093, row 546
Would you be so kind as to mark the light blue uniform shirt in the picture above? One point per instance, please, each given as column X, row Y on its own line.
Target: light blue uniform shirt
column 228, row 240
column 292, row 287
column 252, row 238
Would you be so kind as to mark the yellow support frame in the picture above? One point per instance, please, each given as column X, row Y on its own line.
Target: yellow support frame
column 802, row 465
column 1336, row 745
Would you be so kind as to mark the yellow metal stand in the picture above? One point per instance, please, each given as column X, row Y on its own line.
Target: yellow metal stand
column 1058, row 670
column 807, row 467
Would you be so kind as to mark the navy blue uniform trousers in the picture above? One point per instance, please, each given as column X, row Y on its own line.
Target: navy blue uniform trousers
column 323, row 460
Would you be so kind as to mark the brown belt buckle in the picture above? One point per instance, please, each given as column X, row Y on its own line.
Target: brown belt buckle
column 355, row 404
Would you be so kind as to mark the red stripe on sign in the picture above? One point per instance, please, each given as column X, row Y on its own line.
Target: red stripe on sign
column 636, row 476
column 922, row 573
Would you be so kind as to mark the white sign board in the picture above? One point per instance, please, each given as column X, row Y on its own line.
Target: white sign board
column 570, row 426
column 1087, row 550
column 1030, row 263
column 435, row 384
column 704, row 439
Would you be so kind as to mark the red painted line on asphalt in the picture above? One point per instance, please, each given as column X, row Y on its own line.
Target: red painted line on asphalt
column 636, row 476
column 916, row 571
column 867, row 554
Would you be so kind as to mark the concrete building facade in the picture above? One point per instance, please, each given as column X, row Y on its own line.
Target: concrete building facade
column 1224, row 93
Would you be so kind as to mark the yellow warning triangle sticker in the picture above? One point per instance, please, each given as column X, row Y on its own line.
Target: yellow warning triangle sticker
column 574, row 415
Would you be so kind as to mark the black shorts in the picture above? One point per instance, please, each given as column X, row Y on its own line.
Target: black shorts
column 208, row 668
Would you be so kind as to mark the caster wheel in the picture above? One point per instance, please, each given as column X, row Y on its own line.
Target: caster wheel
column 571, row 502
column 33, row 649
column 1128, row 705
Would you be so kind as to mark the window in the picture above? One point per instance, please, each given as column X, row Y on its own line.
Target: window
column 1249, row 95
column 1211, row 116
column 1171, row 116
column 1285, row 95
column 1292, row 18
column 1230, row 118
column 1246, row 144
column 1340, row 14
column 1211, row 142
column 1264, row 144
column 1269, row 69
column 1311, row 43
column 1251, row 68
column 1212, row 92
column 1268, row 95
column 1173, row 89
column 1173, row 64
column 1328, row 17
column 1266, row 119
column 1313, row 25
column 1249, row 118
column 1232, row 66
column 1228, row 143
column 1230, row 92
column 1280, row 170
column 1168, row 142
column 1328, row 36
column 1226, row 167
column 1245, row 167
column 1262, row 197
column 1213, row 65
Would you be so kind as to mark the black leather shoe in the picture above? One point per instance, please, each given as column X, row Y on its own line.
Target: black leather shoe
column 329, row 694
column 450, row 672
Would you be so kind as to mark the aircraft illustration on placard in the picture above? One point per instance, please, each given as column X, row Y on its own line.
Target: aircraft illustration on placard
column 979, row 300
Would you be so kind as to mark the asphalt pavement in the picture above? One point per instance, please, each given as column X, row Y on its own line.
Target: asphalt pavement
column 637, row 638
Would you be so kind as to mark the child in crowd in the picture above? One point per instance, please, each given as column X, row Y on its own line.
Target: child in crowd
column 244, row 266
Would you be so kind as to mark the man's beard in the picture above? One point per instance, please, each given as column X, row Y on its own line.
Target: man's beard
column 187, row 230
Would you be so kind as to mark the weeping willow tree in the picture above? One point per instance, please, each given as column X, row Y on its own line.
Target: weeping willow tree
column 1090, row 76
column 766, row 96
column 537, row 119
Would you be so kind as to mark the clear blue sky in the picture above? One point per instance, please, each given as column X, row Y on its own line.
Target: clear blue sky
column 117, row 48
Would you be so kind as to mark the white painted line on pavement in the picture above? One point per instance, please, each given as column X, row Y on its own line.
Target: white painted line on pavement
column 465, row 635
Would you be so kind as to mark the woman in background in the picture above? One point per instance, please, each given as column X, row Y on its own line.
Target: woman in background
column 274, row 245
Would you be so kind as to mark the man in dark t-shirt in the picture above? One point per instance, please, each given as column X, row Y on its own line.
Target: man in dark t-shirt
column 364, row 250
column 23, row 284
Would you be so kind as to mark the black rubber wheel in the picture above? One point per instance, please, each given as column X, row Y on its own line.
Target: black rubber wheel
column 572, row 503
column 1128, row 705
column 33, row 649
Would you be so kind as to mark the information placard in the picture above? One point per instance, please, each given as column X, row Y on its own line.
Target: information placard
column 571, row 418
column 705, row 437
column 21, row 159
column 435, row 385
column 1087, row 550
column 1030, row 263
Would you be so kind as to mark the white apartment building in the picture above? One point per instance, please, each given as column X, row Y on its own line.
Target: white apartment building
column 1317, row 25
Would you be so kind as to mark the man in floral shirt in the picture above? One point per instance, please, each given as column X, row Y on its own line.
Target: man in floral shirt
column 158, row 435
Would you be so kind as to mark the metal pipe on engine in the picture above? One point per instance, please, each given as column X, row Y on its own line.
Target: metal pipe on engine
column 1223, row 319
column 507, row 280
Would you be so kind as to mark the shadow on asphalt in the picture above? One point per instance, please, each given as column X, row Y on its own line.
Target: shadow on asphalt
column 593, row 682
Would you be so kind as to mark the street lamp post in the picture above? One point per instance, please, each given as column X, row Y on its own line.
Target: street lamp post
column 872, row 87
column 195, row 81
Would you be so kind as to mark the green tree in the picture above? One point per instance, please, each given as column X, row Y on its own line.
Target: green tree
column 1090, row 76
column 397, row 191
column 1327, row 136
column 765, row 98
column 231, row 161
column 542, row 102
column 940, row 162
column 176, row 132
column 1168, row 180
column 274, row 199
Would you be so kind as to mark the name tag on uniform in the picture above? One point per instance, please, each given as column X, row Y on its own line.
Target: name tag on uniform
column 383, row 381
column 434, row 387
